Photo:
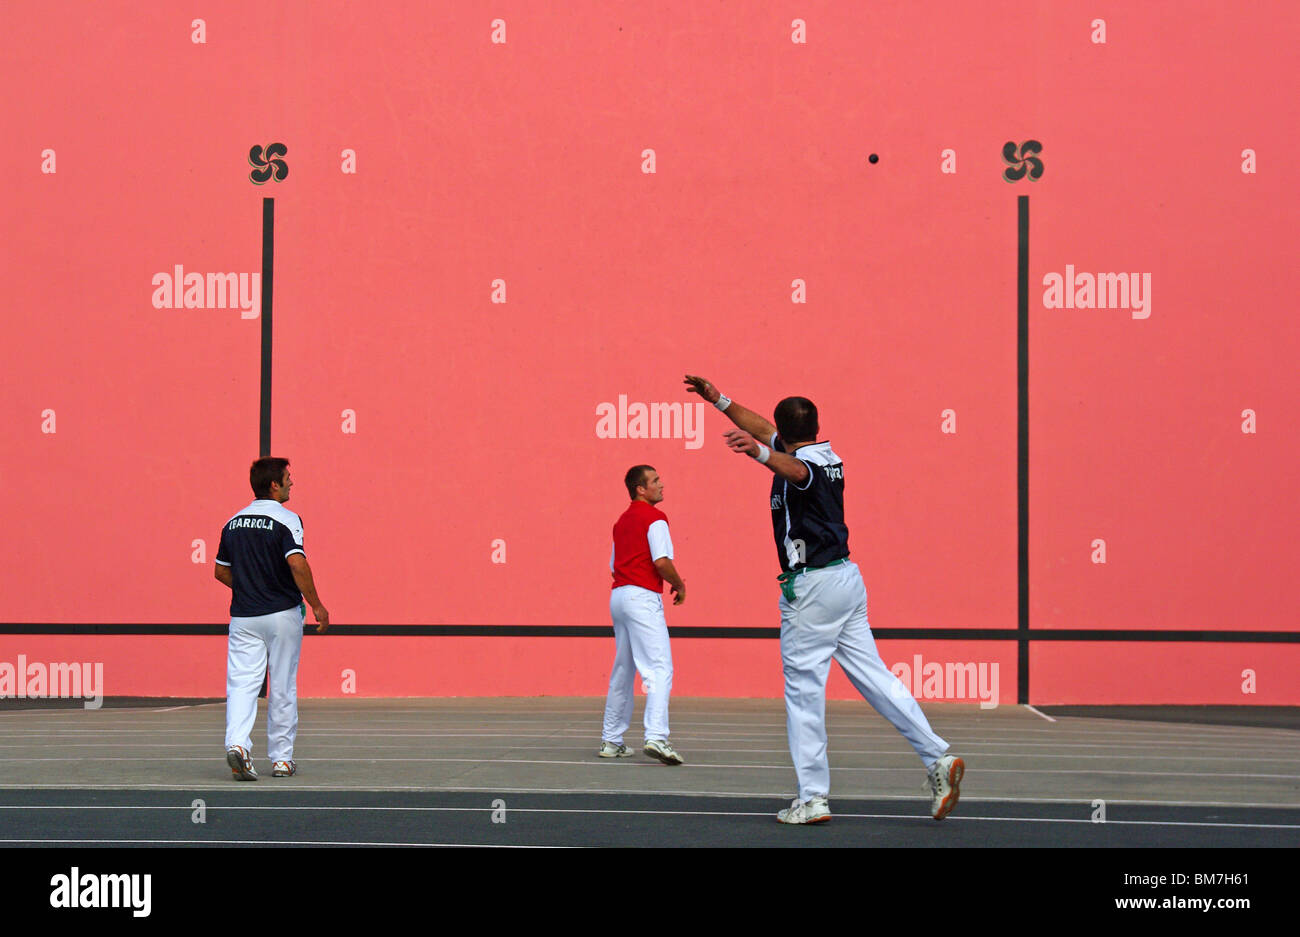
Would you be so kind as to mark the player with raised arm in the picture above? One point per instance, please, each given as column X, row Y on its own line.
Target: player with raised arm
column 823, row 603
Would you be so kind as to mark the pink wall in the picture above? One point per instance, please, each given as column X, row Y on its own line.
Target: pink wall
column 476, row 421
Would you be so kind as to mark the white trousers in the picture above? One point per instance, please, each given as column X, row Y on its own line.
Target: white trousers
column 254, row 643
column 640, row 645
column 828, row 618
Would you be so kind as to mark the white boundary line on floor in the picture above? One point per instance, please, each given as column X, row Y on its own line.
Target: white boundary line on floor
column 834, row 752
column 1023, row 723
column 669, row 813
column 294, row 787
column 578, row 737
column 647, row 764
column 1090, row 727
column 264, row 842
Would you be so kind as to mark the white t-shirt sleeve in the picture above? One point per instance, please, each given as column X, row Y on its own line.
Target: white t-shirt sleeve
column 661, row 544
column 292, row 543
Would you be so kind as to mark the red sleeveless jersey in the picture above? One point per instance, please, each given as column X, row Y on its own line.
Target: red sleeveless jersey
column 632, row 563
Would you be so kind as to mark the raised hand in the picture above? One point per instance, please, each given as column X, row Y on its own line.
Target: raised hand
column 740, row 441
column 698, row 385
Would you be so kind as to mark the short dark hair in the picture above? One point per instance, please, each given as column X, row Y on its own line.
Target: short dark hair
column 796, row 420
column 636, row 476
column 264, row 471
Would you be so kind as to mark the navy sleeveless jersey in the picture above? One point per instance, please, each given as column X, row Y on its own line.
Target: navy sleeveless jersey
column 808, row 522
column 256, row 544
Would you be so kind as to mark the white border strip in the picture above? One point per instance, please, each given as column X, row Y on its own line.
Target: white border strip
column 265, row 842
column 785, row 795
column 673, row 813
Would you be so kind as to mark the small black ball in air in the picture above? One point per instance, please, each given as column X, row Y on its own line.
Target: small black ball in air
column 874, row 158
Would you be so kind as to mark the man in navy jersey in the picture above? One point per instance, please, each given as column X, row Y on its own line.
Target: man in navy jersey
column 261, row 559
column 823, row 603
column 640, row 561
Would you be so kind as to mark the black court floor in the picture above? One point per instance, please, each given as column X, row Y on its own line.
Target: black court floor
column 386, row 818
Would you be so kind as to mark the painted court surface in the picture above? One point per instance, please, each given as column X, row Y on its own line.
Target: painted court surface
column 515, row 772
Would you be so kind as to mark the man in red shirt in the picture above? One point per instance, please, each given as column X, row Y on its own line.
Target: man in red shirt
column 640, row 561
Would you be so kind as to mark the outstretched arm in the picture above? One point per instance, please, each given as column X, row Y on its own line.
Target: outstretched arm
column 746, row 419
column 787, row 466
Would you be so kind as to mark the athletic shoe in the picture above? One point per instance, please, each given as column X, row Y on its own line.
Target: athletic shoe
column 943, row 785
column 610, row 750
column 813, row 810
column 284, row 769
column 241, row 765
column 662, row 749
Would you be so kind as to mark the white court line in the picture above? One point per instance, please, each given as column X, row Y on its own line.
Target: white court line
column 713, row 750
column 1252, row 826
column 230, row 806
column 1233, row 741
column 882, row 730
column 841, row 709
column 1110, row 727
column 956, row 739
column 653, row 764
column 784, row 795
column 866, row 717
column 93, row 719
column 273, row 842
column 687, row 744
column 1037, row 713
column 323, row 708
column 1142, row 730
column 678, row 813
column 961, row 746
column 861, row 712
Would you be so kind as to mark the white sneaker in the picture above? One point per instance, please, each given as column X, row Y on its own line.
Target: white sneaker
column 813, row 810
column 943, row 785
column 241, row 764
column 662, row 749
column 613, row 750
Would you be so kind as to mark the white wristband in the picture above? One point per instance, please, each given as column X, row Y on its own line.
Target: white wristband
column 723, row 402
column 763, row 453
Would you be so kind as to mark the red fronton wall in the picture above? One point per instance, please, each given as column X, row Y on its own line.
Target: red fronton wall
column 483, row 248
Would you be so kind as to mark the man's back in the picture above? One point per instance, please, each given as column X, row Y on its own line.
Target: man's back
column 255, row 544
column 808, row 522
column 633, row 559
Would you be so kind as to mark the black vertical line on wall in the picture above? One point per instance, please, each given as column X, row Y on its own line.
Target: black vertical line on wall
column 1022, row 450
column 268, row 272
